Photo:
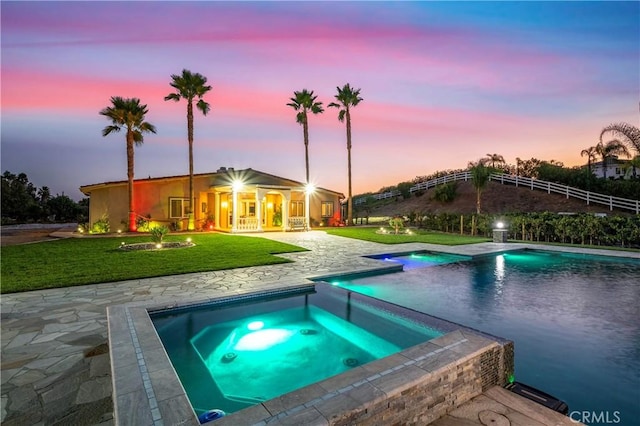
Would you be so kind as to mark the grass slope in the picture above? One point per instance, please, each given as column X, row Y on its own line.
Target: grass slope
column 78, row 261
column 369, row 234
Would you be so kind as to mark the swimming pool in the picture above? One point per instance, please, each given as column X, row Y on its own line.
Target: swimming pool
column 573, row 317
column 236, row 354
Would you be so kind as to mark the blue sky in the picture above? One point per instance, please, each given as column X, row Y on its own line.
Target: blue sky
column 443, row 83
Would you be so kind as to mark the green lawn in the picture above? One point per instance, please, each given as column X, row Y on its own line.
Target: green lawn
column 77, row 261
column 369, row 234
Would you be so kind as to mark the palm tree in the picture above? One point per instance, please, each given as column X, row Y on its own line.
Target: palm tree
column 494, row 158
column 480, row 175
column 347, row 98
column 591, row 153
column 606, row 150
column 632, row 165
column 305, row 102
column 190, row 86
column 629, row 134
column 129, row 114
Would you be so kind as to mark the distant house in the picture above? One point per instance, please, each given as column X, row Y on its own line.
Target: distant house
column 615, row 167
column 227, row 200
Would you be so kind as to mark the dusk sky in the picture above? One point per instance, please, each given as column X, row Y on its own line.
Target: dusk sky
column 443, row 83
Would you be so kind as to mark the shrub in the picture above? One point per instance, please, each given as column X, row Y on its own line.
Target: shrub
column 100, row 226
column 158, row 233
column 446, row 192
column 142, row 223
column 396, row 223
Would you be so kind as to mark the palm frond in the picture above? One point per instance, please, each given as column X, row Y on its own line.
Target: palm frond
column 203, row 106
column 630, row 134
column 109, row 129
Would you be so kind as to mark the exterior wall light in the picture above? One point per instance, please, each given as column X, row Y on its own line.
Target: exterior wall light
column 310, row 188
column 237, row 185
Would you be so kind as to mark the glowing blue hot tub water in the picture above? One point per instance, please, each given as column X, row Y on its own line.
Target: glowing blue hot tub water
column 233, row 355
column 574, row 318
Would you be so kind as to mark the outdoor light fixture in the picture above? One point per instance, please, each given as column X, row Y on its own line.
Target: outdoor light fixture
column 119, row 231
column 270, row 205
column 309, row 188
column 499, row 225
column 188, row 240
column 224, row 204
column 237, row 185
column 158, row 246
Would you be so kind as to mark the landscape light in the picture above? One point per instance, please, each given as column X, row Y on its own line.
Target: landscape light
column 188, row 240
column 158, row 246
column 499, row 225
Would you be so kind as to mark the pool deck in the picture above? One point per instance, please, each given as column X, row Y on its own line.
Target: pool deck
column 55, row 362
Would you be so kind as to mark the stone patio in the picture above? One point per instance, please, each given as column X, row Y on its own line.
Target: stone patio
column 55, row 362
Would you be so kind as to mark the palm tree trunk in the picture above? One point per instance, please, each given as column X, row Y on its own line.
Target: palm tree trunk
column 191, row 225
column 349, row 200
column 478, row 201
column 132, row 214
column 305, row 128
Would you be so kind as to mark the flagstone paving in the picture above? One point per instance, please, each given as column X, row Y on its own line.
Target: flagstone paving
column 55, row 362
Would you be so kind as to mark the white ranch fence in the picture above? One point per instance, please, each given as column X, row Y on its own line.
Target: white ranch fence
column 549, row 187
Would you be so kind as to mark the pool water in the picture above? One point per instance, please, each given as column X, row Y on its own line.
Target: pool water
column 423, row 259
column 236, row 355
column 574, row 318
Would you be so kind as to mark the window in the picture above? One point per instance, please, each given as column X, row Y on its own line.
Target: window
column 327, row 208
column 247, row 208
column 296, row 209
column 178, row 207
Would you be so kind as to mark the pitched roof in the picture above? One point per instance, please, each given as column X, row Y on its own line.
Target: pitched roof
column 221, row 177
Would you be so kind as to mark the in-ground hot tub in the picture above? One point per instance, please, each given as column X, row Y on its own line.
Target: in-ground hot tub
column 235, row 354
column 380, row 360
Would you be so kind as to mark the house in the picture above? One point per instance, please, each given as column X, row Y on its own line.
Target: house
column 615, row 168
column 263, row 202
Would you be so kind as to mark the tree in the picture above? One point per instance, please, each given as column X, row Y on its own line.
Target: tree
column 480, row 175
column 629, row 134
column 347, row 98
column 19, row 201
column 591, row 153
column 63, row 208
column 190, row 86
column 129, row 114
column 493, row 159
column 304, row 102
column 632, row 166
column 609, row 149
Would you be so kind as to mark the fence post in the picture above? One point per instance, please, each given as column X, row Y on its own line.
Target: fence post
column 588, row 193
column 610, row 203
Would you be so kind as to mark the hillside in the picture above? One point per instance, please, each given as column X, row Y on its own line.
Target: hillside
column 496, row 198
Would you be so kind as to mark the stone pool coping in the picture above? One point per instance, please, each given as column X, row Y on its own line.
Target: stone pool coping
column 451, row 369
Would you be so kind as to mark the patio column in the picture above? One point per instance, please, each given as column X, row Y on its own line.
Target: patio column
column 259, row 209
column 307, row 218
column 234, row 210
column 218, row 223
column 285, row 210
